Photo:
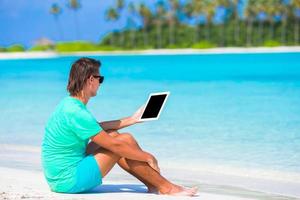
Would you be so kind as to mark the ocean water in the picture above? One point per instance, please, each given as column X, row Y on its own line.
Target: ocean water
column 225, row 111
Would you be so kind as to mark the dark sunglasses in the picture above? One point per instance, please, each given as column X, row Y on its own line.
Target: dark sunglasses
column 101, row 78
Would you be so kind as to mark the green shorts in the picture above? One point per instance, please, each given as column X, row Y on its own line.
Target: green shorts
column 88, row 175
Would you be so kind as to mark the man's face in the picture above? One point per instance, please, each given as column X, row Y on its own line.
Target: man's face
column 94, row 81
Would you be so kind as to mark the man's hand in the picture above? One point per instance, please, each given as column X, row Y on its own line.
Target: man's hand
column 137, row 115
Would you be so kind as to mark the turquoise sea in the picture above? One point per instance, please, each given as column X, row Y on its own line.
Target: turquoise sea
column 231, row 110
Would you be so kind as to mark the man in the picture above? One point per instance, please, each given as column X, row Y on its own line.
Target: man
column 72, row 165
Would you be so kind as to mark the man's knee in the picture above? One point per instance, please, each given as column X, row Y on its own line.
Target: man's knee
column 126, row 137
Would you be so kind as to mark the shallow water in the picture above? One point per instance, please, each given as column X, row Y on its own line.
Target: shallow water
column 228, row 111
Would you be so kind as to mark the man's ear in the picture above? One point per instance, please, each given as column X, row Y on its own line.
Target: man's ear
column 90, row 79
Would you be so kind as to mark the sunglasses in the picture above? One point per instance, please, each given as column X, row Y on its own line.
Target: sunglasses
column 101, row 78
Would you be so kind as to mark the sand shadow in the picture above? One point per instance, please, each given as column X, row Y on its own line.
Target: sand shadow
column 119, row 188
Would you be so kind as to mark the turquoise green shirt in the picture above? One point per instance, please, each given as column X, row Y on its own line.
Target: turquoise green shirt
column 66, row 136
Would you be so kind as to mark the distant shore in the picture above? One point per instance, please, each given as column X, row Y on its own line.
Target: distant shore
column 227, row 50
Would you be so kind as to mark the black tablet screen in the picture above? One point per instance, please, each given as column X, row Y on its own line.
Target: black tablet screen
column 154, row 105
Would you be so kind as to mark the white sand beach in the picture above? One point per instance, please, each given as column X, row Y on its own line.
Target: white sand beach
column 27, row 55
column 26, row 184
column 21, row 184
column 225, row 50
column 22, row 178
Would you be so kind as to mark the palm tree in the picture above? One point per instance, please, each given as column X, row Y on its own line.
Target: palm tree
column 120, row 4
column 236, row 21
column 132, row 12
column 146, row 15
column 75, row 6
column 249, row 14
column 172, row 19
column 120, row 7
column 282, row 9
column 112, row 15
column 188, row 10
column 272, row 10
column 194, row 9
column 160, row 13
column 209, row 13
column 261, row 14
column 223, row 4
column 296, row 6
column 55, row 10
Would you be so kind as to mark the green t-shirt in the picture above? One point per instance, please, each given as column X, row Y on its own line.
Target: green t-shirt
column 66, row 136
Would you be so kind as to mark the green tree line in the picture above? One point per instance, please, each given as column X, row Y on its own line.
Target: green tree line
column 206, row 23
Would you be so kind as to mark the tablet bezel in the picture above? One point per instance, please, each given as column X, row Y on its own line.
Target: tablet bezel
column 155, row 94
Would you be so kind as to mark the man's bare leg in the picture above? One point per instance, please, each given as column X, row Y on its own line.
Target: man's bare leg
column 143, row 172
column 122, row 161
column 132, row 166
column 107, row 159
column 124, row 165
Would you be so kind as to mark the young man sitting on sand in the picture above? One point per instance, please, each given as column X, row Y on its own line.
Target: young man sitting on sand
column 72, row 165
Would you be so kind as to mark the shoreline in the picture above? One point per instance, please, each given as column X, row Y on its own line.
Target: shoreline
column 216, row 181
column 226, row 50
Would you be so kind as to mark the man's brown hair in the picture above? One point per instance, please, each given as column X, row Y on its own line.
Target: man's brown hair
column 81, row 70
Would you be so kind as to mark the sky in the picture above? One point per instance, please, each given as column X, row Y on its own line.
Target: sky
column 26, row 21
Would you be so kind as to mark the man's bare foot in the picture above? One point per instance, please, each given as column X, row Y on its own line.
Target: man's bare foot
column 176, row 190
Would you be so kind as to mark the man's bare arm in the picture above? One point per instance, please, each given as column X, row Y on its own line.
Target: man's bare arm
column 117, row 124
column 122, row 123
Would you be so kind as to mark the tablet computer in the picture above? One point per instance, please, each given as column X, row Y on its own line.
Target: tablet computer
column 154, row 106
